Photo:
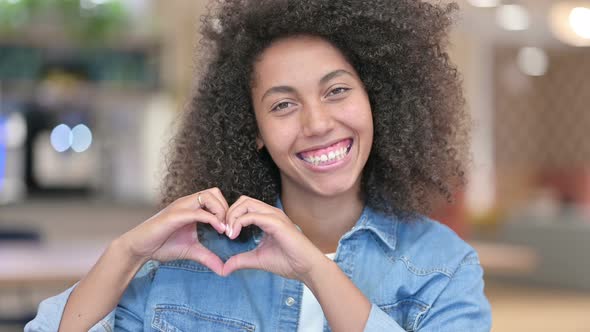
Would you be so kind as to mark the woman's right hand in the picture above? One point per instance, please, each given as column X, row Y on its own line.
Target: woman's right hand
column 171, row 234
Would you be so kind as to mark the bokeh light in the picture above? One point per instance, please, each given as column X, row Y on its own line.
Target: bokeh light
column 61, row 138
column 512, row 17
column 579, row 20
column 15, row 130
column 81, row 138
column 532, row 61
column 484, row 3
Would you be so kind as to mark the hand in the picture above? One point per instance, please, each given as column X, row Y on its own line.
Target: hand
column 171, row 234
column 283, row 250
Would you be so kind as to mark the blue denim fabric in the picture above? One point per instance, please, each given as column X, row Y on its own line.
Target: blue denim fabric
column 419, row 276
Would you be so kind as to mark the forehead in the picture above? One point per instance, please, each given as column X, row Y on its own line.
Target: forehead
column 303, row 59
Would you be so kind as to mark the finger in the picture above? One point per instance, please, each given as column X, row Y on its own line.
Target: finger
column 219, row 195
column 206, row 257
column 267, row 222
column 184, row 217
column 211, row 203
column 189, row 201
column 210, row 199
column 243, row 206
column 245, row 260
column 234, row 210
column 208, row 202
column 237, row 203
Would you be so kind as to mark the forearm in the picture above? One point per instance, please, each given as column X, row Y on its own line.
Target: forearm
column 101, row 289
column 346, row 308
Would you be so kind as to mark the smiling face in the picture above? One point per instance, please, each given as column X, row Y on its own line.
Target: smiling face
column 313, row 116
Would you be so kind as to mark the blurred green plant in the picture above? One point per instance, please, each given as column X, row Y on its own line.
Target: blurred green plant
column 14, row 14
column 87, row 21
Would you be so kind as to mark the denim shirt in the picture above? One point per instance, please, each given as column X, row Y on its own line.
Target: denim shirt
column 419, row 276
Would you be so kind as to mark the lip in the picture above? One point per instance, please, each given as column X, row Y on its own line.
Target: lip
column 330, row 167
column 323, row 146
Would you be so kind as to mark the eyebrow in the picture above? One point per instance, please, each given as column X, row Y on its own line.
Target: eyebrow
column 289, row 89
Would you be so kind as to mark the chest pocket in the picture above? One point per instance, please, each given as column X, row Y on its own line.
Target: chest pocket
column 407, row 312
column 175, row 318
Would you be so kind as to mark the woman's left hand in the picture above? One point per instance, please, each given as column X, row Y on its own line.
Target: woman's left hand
column 283, row 250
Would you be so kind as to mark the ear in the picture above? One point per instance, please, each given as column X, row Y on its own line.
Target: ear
column 259, row 142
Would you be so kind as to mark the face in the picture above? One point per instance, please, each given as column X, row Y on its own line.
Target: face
column 313, row 116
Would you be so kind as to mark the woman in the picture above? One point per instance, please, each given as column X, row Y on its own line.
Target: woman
column 323, row 130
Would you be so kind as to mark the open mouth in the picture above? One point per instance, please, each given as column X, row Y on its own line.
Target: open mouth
column 327, row 155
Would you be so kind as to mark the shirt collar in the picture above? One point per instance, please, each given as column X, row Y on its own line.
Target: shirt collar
column 385, row 228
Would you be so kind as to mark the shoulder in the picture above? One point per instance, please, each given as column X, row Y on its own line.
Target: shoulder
column 430, row 246
column 419, row 269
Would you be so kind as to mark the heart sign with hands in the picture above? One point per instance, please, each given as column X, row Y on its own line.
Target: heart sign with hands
column 171, row 235
column 283, row 250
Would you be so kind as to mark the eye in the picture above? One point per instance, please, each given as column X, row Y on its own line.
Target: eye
column 281, row 106
column 337, row 91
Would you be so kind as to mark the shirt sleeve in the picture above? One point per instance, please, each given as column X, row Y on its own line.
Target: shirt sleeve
column 462, row 306
column 50, row 311
column 131, row 308
column 380, row 321
column 126, row 317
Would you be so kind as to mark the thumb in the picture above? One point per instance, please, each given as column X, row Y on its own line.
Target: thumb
column 245, row 260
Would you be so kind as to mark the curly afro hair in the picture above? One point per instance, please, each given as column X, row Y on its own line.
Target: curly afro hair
column 398, row 49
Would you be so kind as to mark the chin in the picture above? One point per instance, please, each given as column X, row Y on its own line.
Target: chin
column 333, row 189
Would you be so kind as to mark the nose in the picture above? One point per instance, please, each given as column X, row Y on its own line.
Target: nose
column 316, row 120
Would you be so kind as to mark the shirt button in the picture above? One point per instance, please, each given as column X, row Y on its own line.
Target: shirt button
column 290, row 301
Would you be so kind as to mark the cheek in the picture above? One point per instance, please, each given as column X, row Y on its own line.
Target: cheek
column 359, row 117
column 278, row 138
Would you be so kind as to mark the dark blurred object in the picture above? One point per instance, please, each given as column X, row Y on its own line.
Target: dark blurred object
column 123, row 66
column 37, row 120
column 19, row 235
column 59, row 99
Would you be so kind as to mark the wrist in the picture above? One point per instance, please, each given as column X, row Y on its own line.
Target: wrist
column 321, row 268
column 124, row 249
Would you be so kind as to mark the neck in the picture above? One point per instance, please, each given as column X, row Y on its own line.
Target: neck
column 324, row 220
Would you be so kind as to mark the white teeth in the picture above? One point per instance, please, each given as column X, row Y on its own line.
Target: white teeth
column 331, row 156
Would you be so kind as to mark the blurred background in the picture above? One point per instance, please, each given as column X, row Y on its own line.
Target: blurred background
column 90, row 90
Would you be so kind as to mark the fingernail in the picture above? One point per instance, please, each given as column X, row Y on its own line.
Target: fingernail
column 230, row 232
column 222, row 227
